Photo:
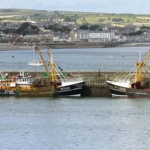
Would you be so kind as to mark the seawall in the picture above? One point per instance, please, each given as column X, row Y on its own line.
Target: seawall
column 82, row 45
column 28, row 46
column 10, row 46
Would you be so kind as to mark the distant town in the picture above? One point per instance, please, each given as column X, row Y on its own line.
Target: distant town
column 61, row 31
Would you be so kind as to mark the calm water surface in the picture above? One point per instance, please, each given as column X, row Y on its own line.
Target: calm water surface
column 93, row 59
column 74, row 124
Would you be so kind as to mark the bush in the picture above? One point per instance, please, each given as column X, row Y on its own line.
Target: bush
column 136, row 33
column 117, row 19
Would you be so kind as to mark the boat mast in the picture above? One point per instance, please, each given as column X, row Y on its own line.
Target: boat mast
column 54, row 69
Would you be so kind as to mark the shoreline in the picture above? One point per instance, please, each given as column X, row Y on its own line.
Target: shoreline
column 10, row 46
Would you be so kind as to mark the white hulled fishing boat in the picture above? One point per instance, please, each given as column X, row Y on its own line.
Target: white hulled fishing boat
column 128, row 85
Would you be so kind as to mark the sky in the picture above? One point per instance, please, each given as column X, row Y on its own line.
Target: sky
column 101, row 6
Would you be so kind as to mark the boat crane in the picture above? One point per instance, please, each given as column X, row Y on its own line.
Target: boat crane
column 140, row 73
column 52, row 67
column 54, row 71
column 15, row 40
column 43, row 61
column 139, row 76
column 52, row 74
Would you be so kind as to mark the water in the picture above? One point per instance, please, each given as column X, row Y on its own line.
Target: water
column 74, row 124
column 93, row 59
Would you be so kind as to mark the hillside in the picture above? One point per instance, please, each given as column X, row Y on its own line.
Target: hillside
column 78, row 17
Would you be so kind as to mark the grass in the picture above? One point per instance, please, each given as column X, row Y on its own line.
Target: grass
column 82, row 17
column 107, row 19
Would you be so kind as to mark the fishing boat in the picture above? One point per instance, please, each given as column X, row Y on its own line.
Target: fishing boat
column 71, row 87
column 63, row 86
column 58, row 85
column 135, row 87
column 118, row 89
column 120, row 84
column 29, row 87
column 123, row 83
column 140, row 86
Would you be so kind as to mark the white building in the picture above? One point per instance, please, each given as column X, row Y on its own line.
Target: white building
column 29, row 20
column 68, row 23
column 101, row 36
column 93, row 36
column 79, row 35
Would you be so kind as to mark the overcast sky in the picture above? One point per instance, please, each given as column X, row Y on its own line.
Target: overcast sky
column 103, row 6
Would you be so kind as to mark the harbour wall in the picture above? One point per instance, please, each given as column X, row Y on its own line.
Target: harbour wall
column 96, row 91
column 28, row 46
column 82, row 45
column 96, row 85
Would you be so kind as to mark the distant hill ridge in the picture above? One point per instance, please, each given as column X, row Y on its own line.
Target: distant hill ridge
column 78, row 17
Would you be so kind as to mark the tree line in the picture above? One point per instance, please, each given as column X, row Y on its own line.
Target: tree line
column 24, row 29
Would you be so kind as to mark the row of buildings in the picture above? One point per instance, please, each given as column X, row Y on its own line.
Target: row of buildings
column 95, row 36
column 108, row 33
column 73, row 36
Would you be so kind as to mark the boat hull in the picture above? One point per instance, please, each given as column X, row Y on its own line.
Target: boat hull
column 5, row 89
column 135, row 93
column 117, row 93
column 74, row 89
column 47, row 91
column 7, row 92
column 116, row 90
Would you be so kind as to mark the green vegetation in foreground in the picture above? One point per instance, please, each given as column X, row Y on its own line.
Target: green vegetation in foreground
column 87, row 18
